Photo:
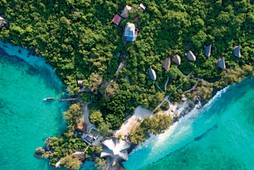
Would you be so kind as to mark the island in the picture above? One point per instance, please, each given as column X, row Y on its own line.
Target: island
column 133, row 68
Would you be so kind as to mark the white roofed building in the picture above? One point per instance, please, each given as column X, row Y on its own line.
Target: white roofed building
column 125, row 12
column 116, row 149
column 130, row 32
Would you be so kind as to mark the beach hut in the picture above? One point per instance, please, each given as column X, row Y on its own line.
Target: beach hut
column 166, row 64
column 207, row 50
column 191, row 56
column 80, row 83
column 125, row 12
column 130, row 33
column 2, row 22
column 176, row 59
column 152, row 74
column 116, row 149
column 117, row 19
column 237, row 52
column 221, row 63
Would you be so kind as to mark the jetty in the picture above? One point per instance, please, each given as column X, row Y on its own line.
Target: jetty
column 68, row 99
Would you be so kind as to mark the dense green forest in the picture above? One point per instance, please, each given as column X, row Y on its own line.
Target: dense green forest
column 79, row 40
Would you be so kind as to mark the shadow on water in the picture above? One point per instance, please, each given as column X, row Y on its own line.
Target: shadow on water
column 45, row 73
column 206, row 133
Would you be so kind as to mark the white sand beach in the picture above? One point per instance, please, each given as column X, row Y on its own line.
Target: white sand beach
column 131, row 123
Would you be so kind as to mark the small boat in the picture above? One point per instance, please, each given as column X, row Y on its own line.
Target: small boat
column 49, row 99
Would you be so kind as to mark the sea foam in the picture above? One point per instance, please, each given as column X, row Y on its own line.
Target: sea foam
column 176, row 137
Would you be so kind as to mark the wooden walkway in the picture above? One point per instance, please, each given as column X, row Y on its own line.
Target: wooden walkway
column 68, row 99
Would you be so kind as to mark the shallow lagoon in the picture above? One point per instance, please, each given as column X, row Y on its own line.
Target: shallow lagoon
column 219, row 136
column 26, row 120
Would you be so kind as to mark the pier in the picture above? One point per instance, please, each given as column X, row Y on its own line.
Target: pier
column 68, row 99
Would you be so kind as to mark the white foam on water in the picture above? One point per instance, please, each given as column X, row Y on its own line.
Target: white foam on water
column 177, row 136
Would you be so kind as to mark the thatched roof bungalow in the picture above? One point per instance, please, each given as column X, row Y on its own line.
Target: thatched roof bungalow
column 191, row 56
column 237, row 52
column 166, row 64
column 152, row 74
column 176, row 59
column 221, row 63
column 116, row 149
column 207, row 50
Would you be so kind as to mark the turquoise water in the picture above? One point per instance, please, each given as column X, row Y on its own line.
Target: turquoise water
column 26, row 120
column 219, row 136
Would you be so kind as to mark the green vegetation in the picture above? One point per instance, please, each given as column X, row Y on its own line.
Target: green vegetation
column 155, row 125
column 100, row 163
column 78, row 39
column 70, row 162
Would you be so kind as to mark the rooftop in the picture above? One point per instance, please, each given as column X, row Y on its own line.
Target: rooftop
column 166, row 64
column 176, row 59
column 125, row 12
column 116, row 149
column 191, row 56
column 221, row 63
column 117, row 19
column 207, row 50
column 152, row 74
column 130, row 32
column 236, row 51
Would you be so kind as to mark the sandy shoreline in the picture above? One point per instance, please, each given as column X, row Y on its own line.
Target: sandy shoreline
column 175, row 111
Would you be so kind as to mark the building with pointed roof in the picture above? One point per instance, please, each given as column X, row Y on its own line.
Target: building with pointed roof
column 125, row 12
column 152, row 74
column 221, row 63
column 116, row 149
column 237, row 52
column 130, row 32
column 176, row 59
column 2, row 22
column 166, row 64
column 191, row 56
column 207, row 50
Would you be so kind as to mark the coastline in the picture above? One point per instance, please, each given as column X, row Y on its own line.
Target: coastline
column 157, row 141
column 37, row 62
column 214, row 131
column 27, row 120
column 179, row 110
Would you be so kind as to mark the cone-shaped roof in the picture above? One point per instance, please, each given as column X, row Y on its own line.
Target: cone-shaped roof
column 116, row 149
column 191, row 56
column 152, row 74
column 237, row 52
column 166, row 64
column 207, row 50
column 221, row 63
column 176, row 59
